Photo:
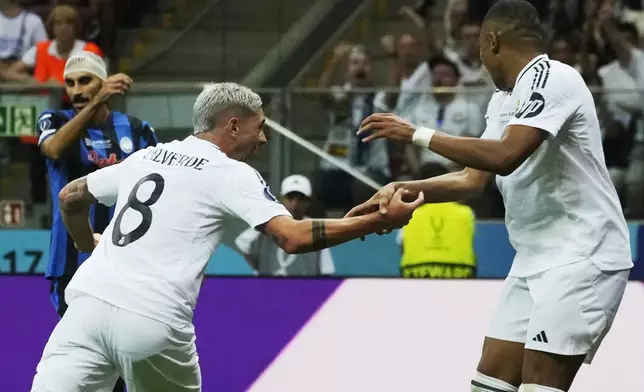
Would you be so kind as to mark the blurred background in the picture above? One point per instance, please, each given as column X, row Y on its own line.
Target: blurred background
column 321, row 67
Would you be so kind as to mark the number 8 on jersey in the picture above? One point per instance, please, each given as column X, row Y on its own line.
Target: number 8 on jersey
column 143, row 207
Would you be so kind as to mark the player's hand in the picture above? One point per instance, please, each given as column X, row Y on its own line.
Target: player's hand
column 378, row 202
column 386, row 125
column 117, row 84
column 399, row 212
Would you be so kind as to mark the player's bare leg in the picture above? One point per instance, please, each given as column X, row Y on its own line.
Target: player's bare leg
column 500, row 367
column 542, row 369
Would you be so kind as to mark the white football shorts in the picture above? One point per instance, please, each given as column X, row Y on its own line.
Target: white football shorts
column 566, row 310
column 95, row 343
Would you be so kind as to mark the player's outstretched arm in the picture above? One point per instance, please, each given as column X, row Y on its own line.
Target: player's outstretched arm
column 458, row 186
column 74, row 200
column 497, row 156
column 314, row 234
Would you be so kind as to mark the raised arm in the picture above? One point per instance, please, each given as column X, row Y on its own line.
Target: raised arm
column 458, row 186
column 542, row 112
column 54, row 142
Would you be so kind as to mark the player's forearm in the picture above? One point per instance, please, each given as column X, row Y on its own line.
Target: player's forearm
column 74, row 201
column 79, row 227
column 55, row 145
column 481, row 154
column 315, row 234
column 441, row 189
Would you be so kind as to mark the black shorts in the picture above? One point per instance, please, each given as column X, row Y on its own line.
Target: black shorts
column 57, row 293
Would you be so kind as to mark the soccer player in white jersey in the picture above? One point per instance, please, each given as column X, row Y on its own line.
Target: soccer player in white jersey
column 543, row 143
column 131, row 303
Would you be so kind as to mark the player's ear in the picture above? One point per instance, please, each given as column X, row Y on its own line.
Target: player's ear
column 493, row 41
column 233, row 125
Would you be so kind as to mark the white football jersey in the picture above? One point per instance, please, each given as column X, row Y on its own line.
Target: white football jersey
column 173, row 203
column 561, row 206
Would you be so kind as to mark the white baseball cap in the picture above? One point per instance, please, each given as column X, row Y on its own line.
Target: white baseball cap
column 85, row 61
column 296, row 183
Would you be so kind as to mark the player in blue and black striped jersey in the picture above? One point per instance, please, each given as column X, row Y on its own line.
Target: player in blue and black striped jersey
column 79, row 141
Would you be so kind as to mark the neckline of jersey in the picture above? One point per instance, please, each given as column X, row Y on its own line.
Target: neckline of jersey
column 205, row 141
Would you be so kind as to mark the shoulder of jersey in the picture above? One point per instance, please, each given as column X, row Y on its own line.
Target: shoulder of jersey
column 551, row 74
column 62, row 115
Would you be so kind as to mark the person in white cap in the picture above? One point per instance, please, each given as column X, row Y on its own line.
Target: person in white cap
column 267, row 258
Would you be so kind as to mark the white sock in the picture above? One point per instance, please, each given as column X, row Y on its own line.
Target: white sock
column 537, row 388
column 483, row 383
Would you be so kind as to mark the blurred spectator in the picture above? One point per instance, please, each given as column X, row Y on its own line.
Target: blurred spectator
column 464, row 52
column 456, row 13
column 19, row 31
column 438, row 241
column 625, row 73
column 445, row 111
column 100, row 18
column 407, row 72
column 268, row 259
column 347, row 109
column 468, row 61
column 561, row 49
column 47, row 58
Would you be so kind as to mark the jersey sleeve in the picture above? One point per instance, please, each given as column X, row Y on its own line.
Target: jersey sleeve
column 491, row 111
column 476, row 124
column 48, row 124
column 29, row 58
column 246, row 241
column 38, row 31
column 103, row 184
column 545, row 98
column 245, row 195
column 148, row 136
column 143, row 132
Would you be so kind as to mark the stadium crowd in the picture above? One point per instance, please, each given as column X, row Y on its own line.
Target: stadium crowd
column 600, row 38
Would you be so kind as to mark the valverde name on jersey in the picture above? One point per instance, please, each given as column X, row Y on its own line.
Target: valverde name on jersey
column 170, row 158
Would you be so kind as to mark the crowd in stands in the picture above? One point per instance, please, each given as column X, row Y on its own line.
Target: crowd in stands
column 602, row 39
column 37, row 35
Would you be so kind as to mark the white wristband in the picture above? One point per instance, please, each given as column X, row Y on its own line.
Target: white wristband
column 422, row 136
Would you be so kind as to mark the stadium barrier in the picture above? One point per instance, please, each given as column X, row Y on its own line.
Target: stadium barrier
column 26, row 252
column 376, row 335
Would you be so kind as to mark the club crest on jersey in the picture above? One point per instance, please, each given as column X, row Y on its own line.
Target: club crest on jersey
column 532, row 108
column 126, row 145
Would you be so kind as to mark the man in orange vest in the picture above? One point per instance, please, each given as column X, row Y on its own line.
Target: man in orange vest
column 47, row 58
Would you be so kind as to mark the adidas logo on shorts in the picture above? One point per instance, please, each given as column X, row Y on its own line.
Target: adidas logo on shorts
column 541, row 337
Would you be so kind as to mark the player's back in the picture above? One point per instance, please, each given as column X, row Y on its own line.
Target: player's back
column 168, row 222
column 561, row 206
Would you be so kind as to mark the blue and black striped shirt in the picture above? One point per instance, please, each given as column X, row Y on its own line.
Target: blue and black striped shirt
column 107, row 144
